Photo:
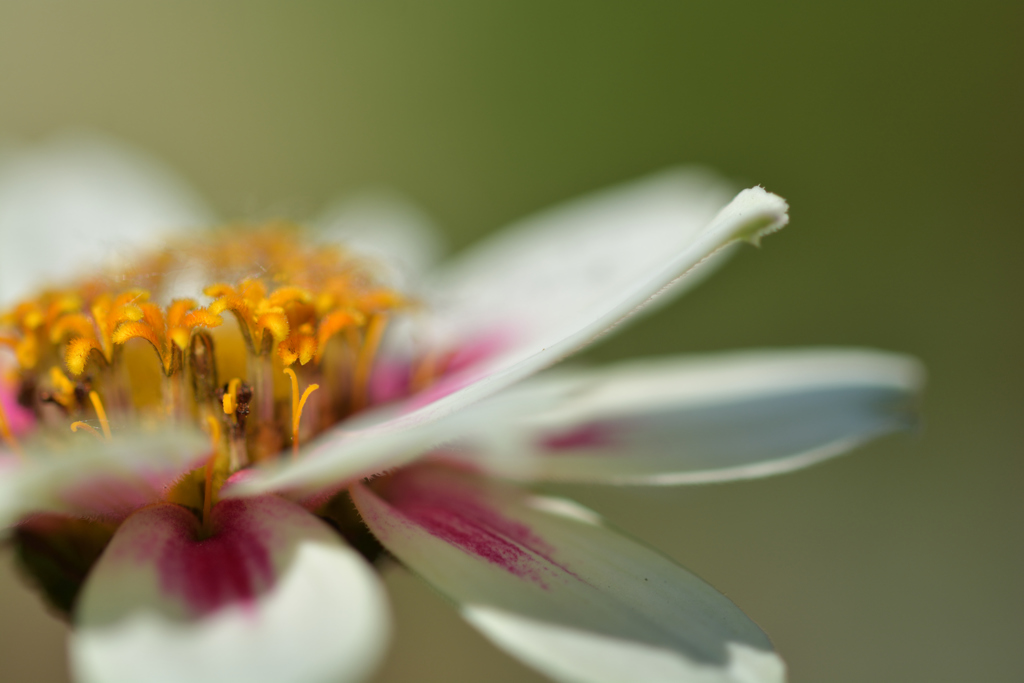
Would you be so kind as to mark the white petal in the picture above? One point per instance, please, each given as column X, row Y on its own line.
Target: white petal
column 97, row 478
column 549, row 583
column 348, row 453
column 645, row 219
column 550, row 274
column 76, row 200
column 693, row 420
column 273, row 595
column 384, row 226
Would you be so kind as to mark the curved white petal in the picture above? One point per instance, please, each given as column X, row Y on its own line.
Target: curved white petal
column 93, row 478
column 272, row 595
column 353, row 451
column 692, row 420
column 549, row 273
column 385, row 226
column 658, row 242
column 549, row 583
column 76, row 200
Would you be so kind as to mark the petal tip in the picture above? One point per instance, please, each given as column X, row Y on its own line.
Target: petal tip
column 758, row 213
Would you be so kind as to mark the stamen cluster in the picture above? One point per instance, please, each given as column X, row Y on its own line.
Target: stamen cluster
column 277, row 314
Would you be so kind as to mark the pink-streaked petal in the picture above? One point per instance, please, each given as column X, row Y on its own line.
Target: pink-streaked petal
column 92, row 478
column 76, row 200
column 694, row 420
column 661, row 244
column 549, row 583
column 272, row 594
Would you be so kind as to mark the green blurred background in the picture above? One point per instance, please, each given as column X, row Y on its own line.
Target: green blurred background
column 894, row 130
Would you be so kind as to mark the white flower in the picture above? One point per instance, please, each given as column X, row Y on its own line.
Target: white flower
column 220, row 565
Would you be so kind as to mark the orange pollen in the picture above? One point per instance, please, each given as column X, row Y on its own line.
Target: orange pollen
column 230, row 401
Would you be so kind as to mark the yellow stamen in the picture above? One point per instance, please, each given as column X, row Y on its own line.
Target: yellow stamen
column 331, row 325
column 78, row 353
column 214, row 425
column 7, row 434
column 100, row 413
column 274, row 322
column 364, row 360
column 297, row 405
column 231, row 397
column 75, row 426
column 64, row 389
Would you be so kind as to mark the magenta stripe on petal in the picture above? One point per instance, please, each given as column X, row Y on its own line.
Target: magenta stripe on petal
column 479, row 348
column 228, row 567
column 464, row 519
column 465, row 365
column 20, row 419
column 231, row 566
column 585, row 436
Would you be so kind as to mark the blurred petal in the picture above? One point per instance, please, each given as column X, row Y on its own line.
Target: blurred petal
column 273, row 595
column 104, row 479
column 385, row 226
column 400, row 243
column 692, row 420
column 608, row 283
column 19, row 419
column 78, row 199
column 549, row 583
column 55, row 553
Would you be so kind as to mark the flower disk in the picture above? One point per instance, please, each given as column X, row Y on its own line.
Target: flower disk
column 121, row 348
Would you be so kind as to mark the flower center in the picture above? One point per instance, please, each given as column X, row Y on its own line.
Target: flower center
column 275, row 344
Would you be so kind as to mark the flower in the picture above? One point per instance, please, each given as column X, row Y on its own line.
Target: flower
column 206, row 446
